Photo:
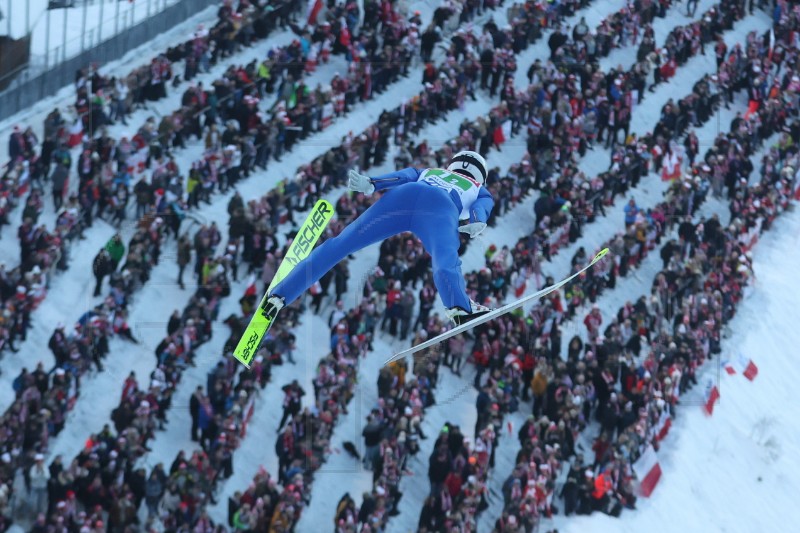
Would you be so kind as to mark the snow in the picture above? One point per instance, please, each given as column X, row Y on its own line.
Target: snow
column 18, row 17
column 72, row 30
column 736, row 471
column 750, row 444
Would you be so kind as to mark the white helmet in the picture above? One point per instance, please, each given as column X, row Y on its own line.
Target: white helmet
column 469, row 163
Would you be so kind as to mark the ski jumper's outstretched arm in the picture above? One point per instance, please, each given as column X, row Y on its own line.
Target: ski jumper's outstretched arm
column 398, row 177
column 481, row 208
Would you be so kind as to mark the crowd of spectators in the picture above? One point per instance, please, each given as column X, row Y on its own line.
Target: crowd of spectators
column 346, row 205
column 568, row 200
column 687, row 196
column 104, row 168
column 106, row 465
column 626, row 376
column 104, row 187
column 104, row 478
column 702, row 248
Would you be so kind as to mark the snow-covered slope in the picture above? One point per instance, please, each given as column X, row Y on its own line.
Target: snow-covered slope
column 738, row 470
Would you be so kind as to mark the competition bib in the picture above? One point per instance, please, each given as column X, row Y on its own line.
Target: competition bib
column 466, row 188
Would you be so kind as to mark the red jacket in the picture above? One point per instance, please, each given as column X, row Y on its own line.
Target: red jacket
column 602, row 484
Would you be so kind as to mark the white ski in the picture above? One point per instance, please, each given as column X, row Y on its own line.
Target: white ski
column 495, row 312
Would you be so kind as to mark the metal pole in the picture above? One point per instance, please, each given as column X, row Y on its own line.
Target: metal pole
column 8, row 11
column 27, row 17
column 116, row 21
column 47, row 40
column 64, row 37
column 148, row 8
column 100, row 28
column 83, row 24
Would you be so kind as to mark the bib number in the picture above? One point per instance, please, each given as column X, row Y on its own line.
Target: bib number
column 451, row 179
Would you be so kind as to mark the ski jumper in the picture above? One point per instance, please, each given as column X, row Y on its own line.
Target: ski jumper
column 427, row 202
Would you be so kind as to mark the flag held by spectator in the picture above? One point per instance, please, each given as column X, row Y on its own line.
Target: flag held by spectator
column 648, row 471
column 251, row 287
column 314, row 7
column 771, row 43
column 712, row 395
column 249, row 409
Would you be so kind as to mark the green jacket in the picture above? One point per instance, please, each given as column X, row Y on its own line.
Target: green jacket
column 238, row 523
column 116, row 250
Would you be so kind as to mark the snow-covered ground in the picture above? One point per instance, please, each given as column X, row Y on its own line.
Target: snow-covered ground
column 19, row 17
column 734, row 472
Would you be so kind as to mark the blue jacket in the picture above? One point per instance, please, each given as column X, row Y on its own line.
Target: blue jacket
column 630, row 213
column 479, row 211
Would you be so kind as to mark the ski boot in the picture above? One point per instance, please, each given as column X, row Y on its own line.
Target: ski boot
column 459, row 316
column 273, row 304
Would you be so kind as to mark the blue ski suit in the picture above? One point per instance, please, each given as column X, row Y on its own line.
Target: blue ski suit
column 428, row 211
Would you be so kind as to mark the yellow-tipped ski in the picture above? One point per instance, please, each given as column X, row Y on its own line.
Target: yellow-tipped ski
column 491, row 315
column 307, row 236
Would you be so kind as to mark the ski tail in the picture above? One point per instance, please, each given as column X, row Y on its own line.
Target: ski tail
column 253, row 335
column 491, row 315
column 263, row 317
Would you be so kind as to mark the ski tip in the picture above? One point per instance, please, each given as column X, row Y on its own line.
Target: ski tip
column 392, row 359
column 600, row 255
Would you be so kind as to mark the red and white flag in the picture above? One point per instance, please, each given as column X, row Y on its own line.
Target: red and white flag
column 771, row 43
column 251, row 286
column 712, row 395
column 663, row 425
column 647, row 471
column 314, row 7
column 249, row 409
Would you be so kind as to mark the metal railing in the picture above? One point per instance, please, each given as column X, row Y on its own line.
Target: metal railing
column 55, row 68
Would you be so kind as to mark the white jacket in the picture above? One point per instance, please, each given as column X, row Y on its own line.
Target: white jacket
column 39, row 477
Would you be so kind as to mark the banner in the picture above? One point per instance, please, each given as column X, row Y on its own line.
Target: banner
column 648, row 471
